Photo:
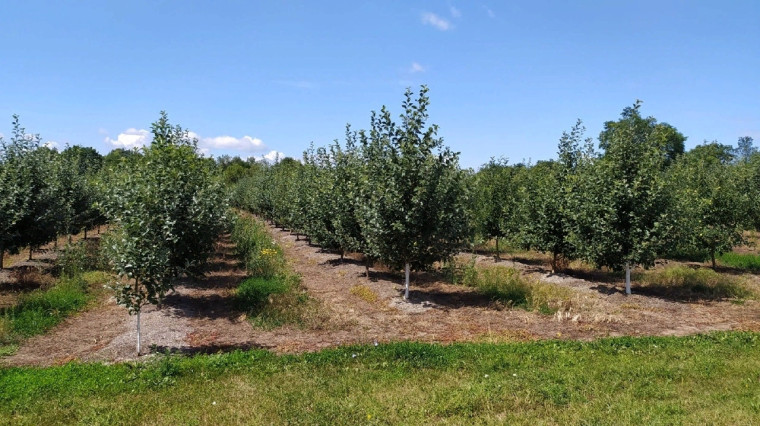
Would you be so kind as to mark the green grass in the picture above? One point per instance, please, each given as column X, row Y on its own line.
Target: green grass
column 747, row 262
column 272, row 296
column 710, row 379
column 40, row 310
column 509, row 288
column 694, row 283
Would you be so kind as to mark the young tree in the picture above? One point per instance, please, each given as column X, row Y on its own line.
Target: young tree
column 415, row 214
column 496, row 201
column 622, row 218
column 549, row 213
column 167, row 208
column 711, row 204
column 16, row 190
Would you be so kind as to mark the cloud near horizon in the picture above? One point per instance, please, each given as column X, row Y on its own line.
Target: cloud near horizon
column 137, row 138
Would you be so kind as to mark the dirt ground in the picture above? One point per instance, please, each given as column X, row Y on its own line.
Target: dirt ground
column 199, row 316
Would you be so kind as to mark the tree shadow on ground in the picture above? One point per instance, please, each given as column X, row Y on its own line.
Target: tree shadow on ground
column 671, row 293
column 208, row 349
column 448, row 300
column 211, row 306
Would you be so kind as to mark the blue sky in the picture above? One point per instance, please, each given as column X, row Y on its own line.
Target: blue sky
column 253, row 77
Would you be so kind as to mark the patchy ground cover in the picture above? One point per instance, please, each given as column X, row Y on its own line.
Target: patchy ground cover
column 202, row 316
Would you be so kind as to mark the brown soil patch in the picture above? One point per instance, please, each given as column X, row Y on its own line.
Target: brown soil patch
column 199, row 315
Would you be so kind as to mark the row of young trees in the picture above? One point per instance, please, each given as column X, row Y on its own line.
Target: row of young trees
column 166, row 206
column 397, row 195
column 394, row 193
column 44, row 193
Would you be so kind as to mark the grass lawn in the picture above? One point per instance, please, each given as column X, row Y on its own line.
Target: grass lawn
column 700, row 379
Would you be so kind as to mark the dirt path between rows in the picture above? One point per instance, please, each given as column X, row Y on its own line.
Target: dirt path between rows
column 199, row 316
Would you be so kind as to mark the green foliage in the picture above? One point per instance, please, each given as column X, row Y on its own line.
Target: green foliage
column 168, row 208
column 416, row 207
column 621, row 202
column 496, row 198
column 710, row 203
column 703, row 379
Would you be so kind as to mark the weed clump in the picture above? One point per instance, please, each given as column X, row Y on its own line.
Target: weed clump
column 696, row 283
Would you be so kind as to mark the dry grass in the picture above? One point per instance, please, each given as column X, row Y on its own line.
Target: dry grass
column 365, row 293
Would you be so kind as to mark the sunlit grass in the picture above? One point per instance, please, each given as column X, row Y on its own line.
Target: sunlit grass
column 710, row 379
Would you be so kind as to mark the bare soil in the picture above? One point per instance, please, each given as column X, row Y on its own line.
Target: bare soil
column 199, row 316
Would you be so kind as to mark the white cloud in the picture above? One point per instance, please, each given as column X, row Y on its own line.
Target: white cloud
column 51, row 144
column 130, row 138
column 429, row 18
column 271, row 156
column 489, row 12
column 207, row 146
column 415, row 68
column 246, row 143
column 455, row 12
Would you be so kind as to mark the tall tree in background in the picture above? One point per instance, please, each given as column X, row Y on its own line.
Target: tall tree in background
column 623, row 216
column 416, row 214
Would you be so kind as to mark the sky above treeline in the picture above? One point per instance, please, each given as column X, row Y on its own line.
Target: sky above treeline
column 255, row 78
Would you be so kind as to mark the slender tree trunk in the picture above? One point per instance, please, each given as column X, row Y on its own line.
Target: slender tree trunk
column 554, row 263
column 85, row 232
column 342, row 254
column 627, row 278
column 139, row 308
column 498, row 258
column 406, row 281
column 2, row 255
column 98, row 229
column 138, row 333
column 30, row 252
column 366, row 266
column 712, row 257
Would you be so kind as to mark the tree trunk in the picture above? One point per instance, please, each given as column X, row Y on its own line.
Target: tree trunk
column 627, row 278
column 366, row 266
column 712, row 257
column 2, row 254
column 30, row 252
column 98, row 229
column 498, row 258
column 406, row 281
column 554, row 263
column 85, row 232
column 342, row 254
column 138, row 333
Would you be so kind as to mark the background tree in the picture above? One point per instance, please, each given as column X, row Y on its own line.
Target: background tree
column 496, row 201
column 710, row 203
column 552, row 194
